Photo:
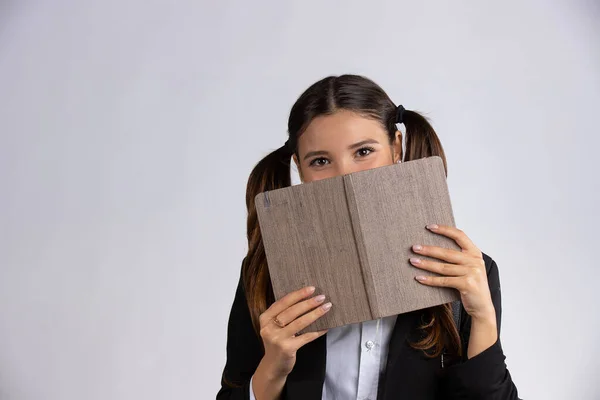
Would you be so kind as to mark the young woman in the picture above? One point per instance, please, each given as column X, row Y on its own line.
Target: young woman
column 341, row 125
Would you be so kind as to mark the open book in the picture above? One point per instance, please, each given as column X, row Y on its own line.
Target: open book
column 350, row 236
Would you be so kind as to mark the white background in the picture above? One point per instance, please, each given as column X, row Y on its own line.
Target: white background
column 128, row 130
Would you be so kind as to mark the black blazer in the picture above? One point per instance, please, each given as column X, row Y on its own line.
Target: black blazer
column 409, row 374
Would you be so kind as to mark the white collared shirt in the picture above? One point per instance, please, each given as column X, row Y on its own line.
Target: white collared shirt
column 356, row 357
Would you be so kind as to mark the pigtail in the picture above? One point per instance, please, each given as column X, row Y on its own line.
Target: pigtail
column 440, row 332
column 421, row 139
column 272, row 172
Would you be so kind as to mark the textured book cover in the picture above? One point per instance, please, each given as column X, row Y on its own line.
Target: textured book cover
column 350, row 236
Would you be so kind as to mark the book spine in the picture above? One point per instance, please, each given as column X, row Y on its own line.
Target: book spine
column 361, row 248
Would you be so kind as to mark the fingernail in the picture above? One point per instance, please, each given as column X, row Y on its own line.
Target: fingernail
column 432, row 227
column 421, row 278
column 310, row 289
column 320, row 298
column 417, row 247
column 326, row 306
column 415, row 260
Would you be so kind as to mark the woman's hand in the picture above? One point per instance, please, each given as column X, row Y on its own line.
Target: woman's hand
column 279, row 325
column 465, row 271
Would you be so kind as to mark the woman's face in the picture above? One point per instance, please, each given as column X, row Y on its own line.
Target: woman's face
column 343, row 143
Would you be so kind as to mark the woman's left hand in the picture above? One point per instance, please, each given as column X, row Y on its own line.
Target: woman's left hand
column 463, row 270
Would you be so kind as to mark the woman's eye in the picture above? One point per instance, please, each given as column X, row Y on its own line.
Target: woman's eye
column 364, row 151
column 319, row 162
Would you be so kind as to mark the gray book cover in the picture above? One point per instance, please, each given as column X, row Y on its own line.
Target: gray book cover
column 350, row 236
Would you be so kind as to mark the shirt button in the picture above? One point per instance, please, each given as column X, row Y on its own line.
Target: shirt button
column 369, row 344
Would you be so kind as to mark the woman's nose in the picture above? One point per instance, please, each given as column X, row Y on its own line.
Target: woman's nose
column 347, row 168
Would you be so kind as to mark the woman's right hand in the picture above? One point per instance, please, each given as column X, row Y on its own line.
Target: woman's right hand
column 278, row 327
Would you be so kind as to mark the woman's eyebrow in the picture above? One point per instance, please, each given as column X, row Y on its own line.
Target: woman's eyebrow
column 316, row 153
column 362, row 143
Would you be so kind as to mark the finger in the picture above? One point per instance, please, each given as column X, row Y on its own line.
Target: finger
column 308, row 337
column 450, row 255
column 286, row 301
column 439, row 268
column 454, row 233
column 300, row 323
column 442, row 281
column 299, row 309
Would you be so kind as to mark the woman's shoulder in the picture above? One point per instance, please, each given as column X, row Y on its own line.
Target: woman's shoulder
column 491, row 269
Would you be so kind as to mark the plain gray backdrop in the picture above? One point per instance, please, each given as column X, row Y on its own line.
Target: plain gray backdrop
column 128, row 130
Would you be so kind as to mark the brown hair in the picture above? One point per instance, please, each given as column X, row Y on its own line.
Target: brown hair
column 366, row 98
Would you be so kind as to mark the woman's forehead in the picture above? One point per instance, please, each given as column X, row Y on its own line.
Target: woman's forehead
column 340, row 128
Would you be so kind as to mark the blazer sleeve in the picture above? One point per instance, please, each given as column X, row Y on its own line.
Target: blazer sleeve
column 244, row 350
column 484, row 376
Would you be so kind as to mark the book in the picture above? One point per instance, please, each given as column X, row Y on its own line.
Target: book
column 351, row 237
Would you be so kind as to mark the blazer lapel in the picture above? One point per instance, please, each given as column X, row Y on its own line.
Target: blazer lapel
column 305, row 382
column 405, row 324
